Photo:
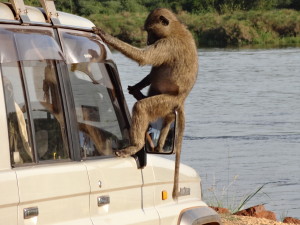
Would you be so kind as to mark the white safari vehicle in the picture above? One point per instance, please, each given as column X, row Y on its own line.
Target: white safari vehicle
column 62, row 116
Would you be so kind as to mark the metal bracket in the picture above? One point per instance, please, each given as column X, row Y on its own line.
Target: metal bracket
column 50, row 10
column 21, row 11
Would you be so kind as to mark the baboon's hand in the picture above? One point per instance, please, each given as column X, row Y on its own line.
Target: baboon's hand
column 135, row 92
column 132, row 89
column 101, row 33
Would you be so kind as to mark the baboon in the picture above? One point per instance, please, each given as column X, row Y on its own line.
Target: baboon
column 136, row 92
column 172, row 53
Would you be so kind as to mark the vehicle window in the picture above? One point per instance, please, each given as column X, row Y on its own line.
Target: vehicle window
column 101, row 125
column 17, row 117
column 46, row 110
column 27, row 44
column 36, row 122
column 8, row 51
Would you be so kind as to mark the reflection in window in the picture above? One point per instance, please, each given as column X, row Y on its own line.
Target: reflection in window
column 101, row 125
column 17, row 119
column 39, row 44
column 97, row 112
column 46, row 110
column 82, row 48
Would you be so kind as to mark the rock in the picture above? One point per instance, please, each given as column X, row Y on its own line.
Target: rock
column 267, row 215
column 220, row 210
column 251, row 211
column 291, row 220
column 257, row 211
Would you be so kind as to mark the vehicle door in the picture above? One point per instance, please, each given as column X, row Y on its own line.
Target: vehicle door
column 52, row 188
column 116, row 183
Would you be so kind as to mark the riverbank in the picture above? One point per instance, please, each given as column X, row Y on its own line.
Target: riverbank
column 246, row 220
column 254, row 215
column 239, row 28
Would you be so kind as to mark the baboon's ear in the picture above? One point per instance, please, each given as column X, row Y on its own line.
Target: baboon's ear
column 164, row 20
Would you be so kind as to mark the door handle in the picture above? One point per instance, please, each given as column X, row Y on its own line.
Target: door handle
column 30, row 212
column 103, row 200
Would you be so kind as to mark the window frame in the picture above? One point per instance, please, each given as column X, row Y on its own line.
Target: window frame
column 25, row 92
column 31, row 118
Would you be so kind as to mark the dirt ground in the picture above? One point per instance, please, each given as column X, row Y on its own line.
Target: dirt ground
column 245, row 220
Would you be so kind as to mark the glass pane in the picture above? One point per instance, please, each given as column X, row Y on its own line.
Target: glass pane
column 40, row 44
column 19, row 141
column 98, row 113
column 7, row 48
column 101, row 125
column 82, row 49
column 47, row 113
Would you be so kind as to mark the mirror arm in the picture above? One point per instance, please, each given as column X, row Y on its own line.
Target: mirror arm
column 140, row 158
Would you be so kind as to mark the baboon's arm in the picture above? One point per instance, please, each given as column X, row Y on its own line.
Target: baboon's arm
column 143, row 83
column 136, row 89
column 156, row 54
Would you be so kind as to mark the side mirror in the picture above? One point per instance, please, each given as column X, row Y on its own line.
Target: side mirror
column 160, row 137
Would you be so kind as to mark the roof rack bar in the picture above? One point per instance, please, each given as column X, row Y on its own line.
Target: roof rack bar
column 50, row 10
column 20, row 10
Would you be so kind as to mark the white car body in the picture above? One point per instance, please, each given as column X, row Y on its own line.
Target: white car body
column 77, row 189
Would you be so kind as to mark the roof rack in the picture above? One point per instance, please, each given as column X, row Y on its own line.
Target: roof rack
column 48, row 6
column 50, row 10
column 20, row 10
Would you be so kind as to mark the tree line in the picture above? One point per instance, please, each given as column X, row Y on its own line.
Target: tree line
column 88, row 7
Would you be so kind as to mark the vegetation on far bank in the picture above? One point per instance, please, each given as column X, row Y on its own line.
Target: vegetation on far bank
column 214, row 23
column 239, row 28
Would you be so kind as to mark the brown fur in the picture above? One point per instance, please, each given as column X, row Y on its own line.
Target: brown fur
column 172, row 53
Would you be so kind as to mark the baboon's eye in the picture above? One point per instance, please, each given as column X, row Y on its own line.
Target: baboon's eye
column 164, row 20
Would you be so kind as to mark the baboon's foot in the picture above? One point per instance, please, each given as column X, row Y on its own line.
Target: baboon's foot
column 159, row 149
column 126, row 152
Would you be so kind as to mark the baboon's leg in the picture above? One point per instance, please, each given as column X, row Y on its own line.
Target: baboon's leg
column 164, row 132
column 178, row 144
column 144, row 112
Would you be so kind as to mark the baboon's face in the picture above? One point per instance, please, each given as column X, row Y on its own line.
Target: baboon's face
column 159, row 25
column 151, row 38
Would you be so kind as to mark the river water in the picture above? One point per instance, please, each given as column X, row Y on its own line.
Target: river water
column 242, row 125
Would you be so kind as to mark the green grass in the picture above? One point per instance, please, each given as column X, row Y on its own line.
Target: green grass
column 247, row 198
column 283, row 215
column 225, row 199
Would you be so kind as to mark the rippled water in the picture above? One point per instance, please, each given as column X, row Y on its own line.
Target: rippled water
column 242, row 124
